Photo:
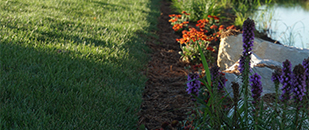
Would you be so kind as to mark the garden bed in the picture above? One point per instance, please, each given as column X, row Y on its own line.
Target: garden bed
column 165, row 98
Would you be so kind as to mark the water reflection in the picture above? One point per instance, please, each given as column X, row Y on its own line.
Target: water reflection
column 287, row 24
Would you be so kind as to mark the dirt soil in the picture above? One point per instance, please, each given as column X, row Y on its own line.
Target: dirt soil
column 165, row 98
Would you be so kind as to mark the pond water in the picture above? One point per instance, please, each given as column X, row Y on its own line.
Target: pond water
column 288, row 25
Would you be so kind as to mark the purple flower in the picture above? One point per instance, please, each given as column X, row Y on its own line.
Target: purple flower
column 248, row 39
column 248, row 36
column 298, row 85
column 276, row 76
column 214, row 73
column 306, row 67
column 217, row 77
column 286, row 80
column 256, row 87
column 242, row 64
column 193, row 86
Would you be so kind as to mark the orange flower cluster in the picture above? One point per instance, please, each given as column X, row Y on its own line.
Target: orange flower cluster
column 193, row 35
column 173, row 20
column 216, row 36
column 176, row 27
column 174, row 15
column 202, row 23
column 227, row 28
column 179, row 21
column 206, row 32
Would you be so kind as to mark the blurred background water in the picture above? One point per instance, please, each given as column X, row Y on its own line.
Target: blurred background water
column 287, row 23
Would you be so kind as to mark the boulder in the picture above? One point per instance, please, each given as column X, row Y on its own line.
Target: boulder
column 263, row 67
column 230, row 50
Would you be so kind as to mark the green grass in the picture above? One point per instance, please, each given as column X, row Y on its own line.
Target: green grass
column 61, row 68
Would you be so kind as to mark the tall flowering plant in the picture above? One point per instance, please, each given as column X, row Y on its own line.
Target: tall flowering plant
column 207, row 95
column 256, row 91
column 244, row 63
column 276, row 77
column 306, row 67
column 193, row 85
column 298, row 83
column 298, row 88
column 286, row 81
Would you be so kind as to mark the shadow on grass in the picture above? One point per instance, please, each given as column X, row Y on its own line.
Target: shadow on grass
column 50, row 89
column 44, row 86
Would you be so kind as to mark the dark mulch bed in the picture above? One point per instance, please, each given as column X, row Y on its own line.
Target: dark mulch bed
column 165, row 98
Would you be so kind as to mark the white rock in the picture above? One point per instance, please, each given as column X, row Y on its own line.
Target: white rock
column 230, row 50
column 264, row 72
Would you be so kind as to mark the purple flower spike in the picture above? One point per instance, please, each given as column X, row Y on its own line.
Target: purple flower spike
column 299, row 82
column 248, row 35
column 217, row 76
column 248, row 39
column 306, row 67
column 193, row 86
column 242, row 64
column 214, row 73
column 276, row 76
column 256, row 85
column 286, row 80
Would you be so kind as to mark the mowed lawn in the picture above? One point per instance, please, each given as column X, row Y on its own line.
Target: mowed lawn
column 73, row 64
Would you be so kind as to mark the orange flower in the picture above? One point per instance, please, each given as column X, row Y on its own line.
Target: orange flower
column 176, row 27
column 203, row 30
column 216, row 39
column 185, row 31
column 184, row 12
column 178, row 16
column 213, row 27
column 185, row 22
column 211, row 49
column 201, row 23
column 231, row 27
column 94, row 18
column 172, row 15
column 221, row 27
column 173, row 20
column 216, row 18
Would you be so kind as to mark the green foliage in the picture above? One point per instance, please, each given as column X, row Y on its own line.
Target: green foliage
column 73, row 64
column 199, row 9
column 211, row 115
column 191, row 52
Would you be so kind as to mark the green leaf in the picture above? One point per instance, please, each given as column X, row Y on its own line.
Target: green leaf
column 207, row 72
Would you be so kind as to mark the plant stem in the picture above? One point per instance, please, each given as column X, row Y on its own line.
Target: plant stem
column 283, row 116
column 245, row 76
column 296, row 116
